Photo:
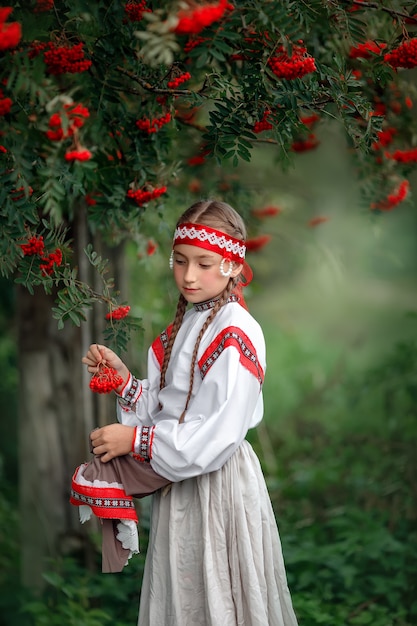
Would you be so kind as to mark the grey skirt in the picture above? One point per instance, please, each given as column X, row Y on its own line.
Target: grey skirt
column 214, row 556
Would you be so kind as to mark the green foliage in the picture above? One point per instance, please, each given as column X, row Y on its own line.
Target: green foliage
column 344, row 494
column 345, row 498
column 213, row 114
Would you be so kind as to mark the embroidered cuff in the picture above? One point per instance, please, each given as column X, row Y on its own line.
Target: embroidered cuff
column 130, row 393
column 142, row 443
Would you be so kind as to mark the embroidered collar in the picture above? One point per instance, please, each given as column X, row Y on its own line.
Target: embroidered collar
column 209, row 304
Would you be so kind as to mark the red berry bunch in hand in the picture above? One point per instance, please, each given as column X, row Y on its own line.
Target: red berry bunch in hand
column 105, row 380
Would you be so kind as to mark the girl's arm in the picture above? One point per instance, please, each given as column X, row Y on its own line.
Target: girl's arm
column 114, row 439
column 227, row 403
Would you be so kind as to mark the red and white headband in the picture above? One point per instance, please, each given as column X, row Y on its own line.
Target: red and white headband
column 210, row 239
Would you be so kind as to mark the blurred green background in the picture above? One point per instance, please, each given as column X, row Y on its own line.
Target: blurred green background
column 338, row 304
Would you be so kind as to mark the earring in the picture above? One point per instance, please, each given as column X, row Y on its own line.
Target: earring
column 171, row 260
column 229, row 271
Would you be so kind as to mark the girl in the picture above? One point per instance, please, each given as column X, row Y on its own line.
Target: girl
column 214, row 556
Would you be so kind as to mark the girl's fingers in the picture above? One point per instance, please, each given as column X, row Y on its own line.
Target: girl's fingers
column 94, row 355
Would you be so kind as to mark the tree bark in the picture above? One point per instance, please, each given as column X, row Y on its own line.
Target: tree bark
column 51, row 431
column 57, row 411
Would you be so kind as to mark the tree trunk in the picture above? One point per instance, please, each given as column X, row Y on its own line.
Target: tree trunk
column 57, row 411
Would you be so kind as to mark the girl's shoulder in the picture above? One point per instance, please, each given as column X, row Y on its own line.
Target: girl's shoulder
column 235, row 311
column 233, row 315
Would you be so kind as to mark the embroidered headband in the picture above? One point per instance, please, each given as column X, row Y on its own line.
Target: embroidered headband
column 210, row 239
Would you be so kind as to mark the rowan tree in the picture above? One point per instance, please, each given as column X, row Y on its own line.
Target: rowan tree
column 109, row 110
column 107, row 107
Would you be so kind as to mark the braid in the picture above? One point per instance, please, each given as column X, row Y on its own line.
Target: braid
column 220, row 302
column 223, row 217
column 180, row 312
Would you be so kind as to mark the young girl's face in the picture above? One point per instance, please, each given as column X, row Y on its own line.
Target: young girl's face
column 197, row 273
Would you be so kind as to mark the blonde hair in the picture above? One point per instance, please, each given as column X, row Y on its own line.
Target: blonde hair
column 223, row 217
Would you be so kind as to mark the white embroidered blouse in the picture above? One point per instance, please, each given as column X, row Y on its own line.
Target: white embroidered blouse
column 226, row 400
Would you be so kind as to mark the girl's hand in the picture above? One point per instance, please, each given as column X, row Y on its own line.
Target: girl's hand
column 101, row 355
column 112, row 440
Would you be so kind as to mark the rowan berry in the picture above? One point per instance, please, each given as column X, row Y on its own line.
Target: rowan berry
column 11, row 33
column 403, row 56
column 35, row 245
column 193, row 21
column 263, row 124
column 78, row 155
column 43, row 5
column 5, row 106
column 153, row 125
column 394, row 198
column 119, row 313
column 66, row 59
column 142, row 196
column 297, row 65
column 105, row 380
column 49, row 262
column 176, row 82
column 366, row 50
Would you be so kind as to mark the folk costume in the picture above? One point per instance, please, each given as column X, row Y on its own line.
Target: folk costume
column 214, row 555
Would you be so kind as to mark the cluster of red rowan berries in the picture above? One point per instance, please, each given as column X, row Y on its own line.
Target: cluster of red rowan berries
column 66, row 59
column 193, row 42
column 195, row 20
column 11, row 33
column 304, row 145
column 153, row 125
column 44, row 5
column 141, row 196
column 366, row 50
column 54, row 258
column 385, row 137
column 393, row 199
column 105, row 380
column 403, row 56
column 404, row 156
column 176, row 82
column 35, row 245
column 263, row 124
column 135, row 10
column 5, row 104
column 119, row 313
column 76, row 113
column 296, row 66
column 19, row 193
column 78, row 155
